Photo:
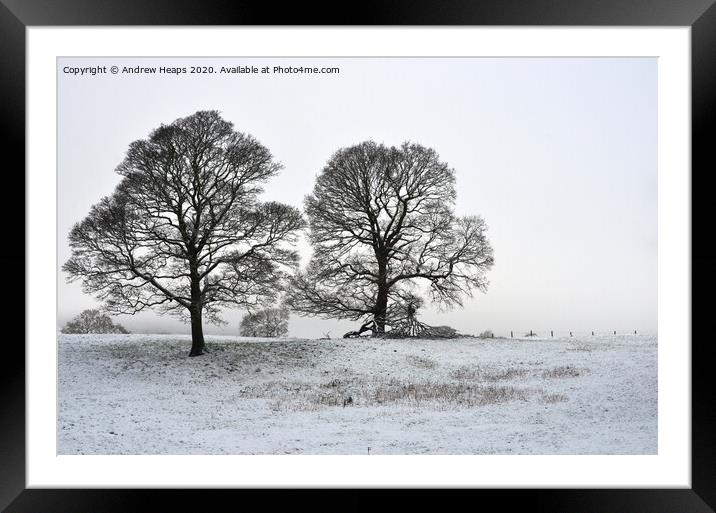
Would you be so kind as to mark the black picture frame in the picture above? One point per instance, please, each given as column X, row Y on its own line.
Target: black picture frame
column 17, row 15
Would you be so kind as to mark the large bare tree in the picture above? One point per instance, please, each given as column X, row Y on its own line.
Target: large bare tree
column 382, row 222
column 184, row 232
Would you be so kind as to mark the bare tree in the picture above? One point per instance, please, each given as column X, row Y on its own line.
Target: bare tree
column 269, row 322
column 402, row 316
column 93, row 321
column 382, row 222
column 184, row 232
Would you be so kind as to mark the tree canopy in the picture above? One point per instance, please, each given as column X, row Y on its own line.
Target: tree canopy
column 382, row 223
column 184, row 232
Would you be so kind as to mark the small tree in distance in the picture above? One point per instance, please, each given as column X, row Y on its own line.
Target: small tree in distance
column 270, row 322
column 92, row 321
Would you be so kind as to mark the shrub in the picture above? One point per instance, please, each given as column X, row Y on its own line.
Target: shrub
column 440, row 332
column 92, row 321
column 270, row 322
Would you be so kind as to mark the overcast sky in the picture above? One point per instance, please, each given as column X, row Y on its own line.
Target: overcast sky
column 558, row 155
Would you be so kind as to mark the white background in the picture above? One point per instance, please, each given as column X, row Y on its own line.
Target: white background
column 672, row 465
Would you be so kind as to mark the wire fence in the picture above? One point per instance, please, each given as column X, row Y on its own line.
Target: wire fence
column 552, row 333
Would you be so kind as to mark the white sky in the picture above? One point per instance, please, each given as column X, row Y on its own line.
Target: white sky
column 558, row 155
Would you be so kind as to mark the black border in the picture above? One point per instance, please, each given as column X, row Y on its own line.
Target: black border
column 16, row 15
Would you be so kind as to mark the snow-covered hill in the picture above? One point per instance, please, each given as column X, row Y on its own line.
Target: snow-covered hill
column 141, row 394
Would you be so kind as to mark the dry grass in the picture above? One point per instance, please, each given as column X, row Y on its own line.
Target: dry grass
column 310, row 397
column 421, row 363
column 564, row 371
column 584, row 348
column 264, row 374
column 477, row 373
column 552, row 398
column 453, row 393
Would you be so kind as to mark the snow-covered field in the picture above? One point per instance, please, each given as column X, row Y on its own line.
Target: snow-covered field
column 141, row 394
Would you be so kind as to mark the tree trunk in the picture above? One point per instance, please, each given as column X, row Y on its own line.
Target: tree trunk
column 381, row 309
column 197, row 332
column 381, row 301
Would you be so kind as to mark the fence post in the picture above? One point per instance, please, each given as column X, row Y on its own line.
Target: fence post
column 615, row 332
column 511, row 336
column 551, row 333
column 570, row 333
column 592, row 333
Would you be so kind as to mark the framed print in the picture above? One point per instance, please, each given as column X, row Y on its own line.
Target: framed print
column 449, row 249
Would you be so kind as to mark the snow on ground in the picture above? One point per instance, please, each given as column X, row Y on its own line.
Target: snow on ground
column 141, row 394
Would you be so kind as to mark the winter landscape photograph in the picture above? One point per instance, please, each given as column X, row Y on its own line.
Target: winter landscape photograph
column 357, row 256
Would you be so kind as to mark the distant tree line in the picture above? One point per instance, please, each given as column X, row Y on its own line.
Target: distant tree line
column 185, row 233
